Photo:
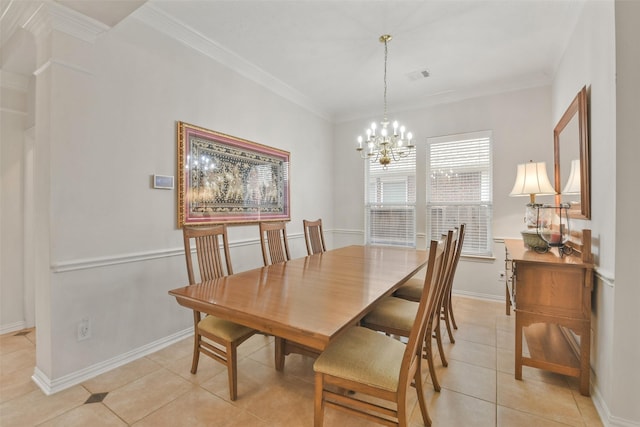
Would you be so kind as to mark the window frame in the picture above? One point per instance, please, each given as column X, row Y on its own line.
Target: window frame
column 402, row 213
column 477, row 214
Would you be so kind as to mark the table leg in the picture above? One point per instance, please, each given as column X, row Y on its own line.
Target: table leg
column 585, row 365
column 518, row 351
column 280, row 344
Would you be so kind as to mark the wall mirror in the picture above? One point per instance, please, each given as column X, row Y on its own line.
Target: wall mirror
column 571, row 158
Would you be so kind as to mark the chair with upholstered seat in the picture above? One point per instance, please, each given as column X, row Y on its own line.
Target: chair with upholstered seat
column 395, row 316
column 274, row 243
column 214, row 337
column 372, row 365
column 412, row 289
column 314, row 236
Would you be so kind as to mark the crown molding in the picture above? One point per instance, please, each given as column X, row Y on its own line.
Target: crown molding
column 13, row 16
column 53, row 16
column 162, row 22
column 65, row 64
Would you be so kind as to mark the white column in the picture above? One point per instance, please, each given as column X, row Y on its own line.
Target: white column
column 63, row 41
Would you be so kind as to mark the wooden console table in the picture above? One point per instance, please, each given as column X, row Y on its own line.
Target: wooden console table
column 551, row 296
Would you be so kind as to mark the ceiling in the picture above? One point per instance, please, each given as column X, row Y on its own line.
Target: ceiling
column 327, row 51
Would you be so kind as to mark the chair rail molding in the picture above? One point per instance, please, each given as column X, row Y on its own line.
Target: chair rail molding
column 89, row 263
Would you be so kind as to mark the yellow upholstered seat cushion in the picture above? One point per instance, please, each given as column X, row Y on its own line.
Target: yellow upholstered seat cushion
column 394, row 313
column 365, row 356
column 411, row 289
column 223, row 328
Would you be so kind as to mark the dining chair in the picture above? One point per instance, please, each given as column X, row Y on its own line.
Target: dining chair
column 372, row 365
column 214, row 337
column 412, row 289
column 396, row 316
column 314, row 236
column 447, row 306
column 273, row 240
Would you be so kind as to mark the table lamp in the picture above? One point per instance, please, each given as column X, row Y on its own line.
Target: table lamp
column 532, row 180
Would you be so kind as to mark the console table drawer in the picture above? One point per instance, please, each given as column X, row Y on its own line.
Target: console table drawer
column 553, row 290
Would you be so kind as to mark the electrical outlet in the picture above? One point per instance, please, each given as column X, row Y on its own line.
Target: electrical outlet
column 84, row 329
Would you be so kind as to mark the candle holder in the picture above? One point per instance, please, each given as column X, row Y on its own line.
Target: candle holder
column 553, row 226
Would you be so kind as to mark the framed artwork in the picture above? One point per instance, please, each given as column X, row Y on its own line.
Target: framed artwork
column 222, row 178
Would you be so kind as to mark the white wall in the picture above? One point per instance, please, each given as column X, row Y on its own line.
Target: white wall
column 589, row 60
column 13, row 119
column 522, row 131
column 110, row 248
column 603, row 55
column 626, row 342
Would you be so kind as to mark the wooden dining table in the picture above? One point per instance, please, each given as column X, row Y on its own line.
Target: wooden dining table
column 306, row 302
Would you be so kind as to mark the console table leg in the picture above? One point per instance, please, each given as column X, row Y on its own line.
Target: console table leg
column 585, row 363
column 508, row 299
column 518, row 351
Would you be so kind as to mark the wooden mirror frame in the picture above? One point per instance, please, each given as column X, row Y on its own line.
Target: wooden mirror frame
column 578, row 109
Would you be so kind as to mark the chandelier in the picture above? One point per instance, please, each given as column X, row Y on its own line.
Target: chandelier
column 384, row 143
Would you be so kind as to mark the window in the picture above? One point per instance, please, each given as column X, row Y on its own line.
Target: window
column 390, row 202
column 459, row 189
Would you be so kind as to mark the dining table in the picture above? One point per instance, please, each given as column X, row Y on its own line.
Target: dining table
column 306, row 302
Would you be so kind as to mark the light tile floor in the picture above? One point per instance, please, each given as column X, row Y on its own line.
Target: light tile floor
column 478, row 387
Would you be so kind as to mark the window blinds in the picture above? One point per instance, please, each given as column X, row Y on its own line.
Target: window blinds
column 459, row 188
column 390, row 202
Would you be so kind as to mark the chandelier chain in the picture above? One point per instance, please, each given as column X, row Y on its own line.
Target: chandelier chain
column 385, row 79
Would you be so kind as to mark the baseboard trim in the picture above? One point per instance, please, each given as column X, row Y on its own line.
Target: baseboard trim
column 49, row 386
column 13, row 327
column 608, row 420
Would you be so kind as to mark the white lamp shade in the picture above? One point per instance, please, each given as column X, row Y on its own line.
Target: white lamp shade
column 531, row 180
column 573, row 183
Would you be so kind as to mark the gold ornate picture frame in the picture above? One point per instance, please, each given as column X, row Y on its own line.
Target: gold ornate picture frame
column 222, row 178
